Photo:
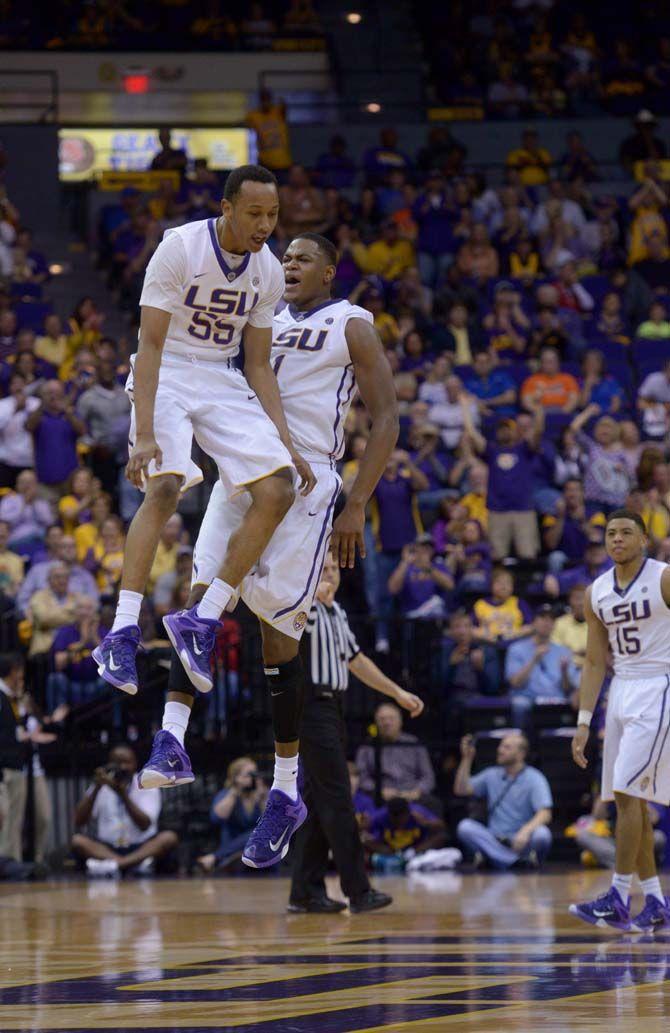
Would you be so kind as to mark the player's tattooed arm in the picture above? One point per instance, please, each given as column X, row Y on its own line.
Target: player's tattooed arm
column 154, row 323
column 375, row 384
column 261, row 379
column 593, row 675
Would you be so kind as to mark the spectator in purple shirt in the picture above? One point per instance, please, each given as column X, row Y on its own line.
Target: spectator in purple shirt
column 56, row 429
column 335, row 168
column 403, row 826
column 27, row 515
column 75, row 676
column 596, row 562
column 395, row 522
column 436, row 244
column 379, row 161
column 405, row 765
column 512, row 518
column 364, row 805
column 421, row 581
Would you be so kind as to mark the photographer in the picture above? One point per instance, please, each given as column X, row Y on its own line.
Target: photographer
column 236, row 809
column 125, row 817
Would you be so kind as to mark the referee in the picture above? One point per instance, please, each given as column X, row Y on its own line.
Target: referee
column 330, row 651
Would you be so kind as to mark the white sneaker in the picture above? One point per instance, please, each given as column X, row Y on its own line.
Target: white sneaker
column 102, row 868
column 382, row 645
column 145, row 867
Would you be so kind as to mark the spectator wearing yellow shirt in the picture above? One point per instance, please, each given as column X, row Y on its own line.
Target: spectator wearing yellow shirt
column 647, row 203
column 87, row 535
column 475, row 500
column 373, row 300
column 75, row 507
column 167, row 551
column 531, row 161
column 387, row 257
column 105, row 559
column 570, row 630
column 51, row 608
column 656, row 517
column 503, row 616
column 52, row 344
column 85, row 332
column 268, row 121
column 11, row 565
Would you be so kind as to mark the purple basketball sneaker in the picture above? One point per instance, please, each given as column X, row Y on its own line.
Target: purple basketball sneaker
column 168, row 765
column 193, row 638
column 654, row 915
column 115, row 657
column 268, row 843
column 606, row 910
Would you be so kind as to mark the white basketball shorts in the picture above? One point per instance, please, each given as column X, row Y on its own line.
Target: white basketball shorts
column 281, row 587
column 214, row 404
column 636, row 758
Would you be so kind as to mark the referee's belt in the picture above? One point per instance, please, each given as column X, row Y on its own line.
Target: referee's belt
column 321, row 692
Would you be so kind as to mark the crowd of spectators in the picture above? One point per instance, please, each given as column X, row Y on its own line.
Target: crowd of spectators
column 515, row 58
column 527, row 328
column 156, row 25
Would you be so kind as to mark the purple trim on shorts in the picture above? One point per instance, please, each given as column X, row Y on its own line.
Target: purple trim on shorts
column 211, row 226
column 338, row 402
column 660, row 752
column 622, row 591
column 326, row 520
column 658, row 732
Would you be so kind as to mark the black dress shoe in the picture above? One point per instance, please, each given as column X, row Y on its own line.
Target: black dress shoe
column 316, row 905
column 372, row 900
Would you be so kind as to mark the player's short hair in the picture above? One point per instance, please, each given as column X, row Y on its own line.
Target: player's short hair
column 628, row 514
column 9, row 662
column 325, row 246
column 246, row 174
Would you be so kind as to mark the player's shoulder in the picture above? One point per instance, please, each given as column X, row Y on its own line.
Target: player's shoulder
column 268, row 261
column 189, row 231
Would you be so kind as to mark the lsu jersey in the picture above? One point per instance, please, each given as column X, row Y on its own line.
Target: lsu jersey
column 637, row 619
column 210, row 293
column 311, row 360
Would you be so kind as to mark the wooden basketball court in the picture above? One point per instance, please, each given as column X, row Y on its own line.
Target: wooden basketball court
column 478, row 953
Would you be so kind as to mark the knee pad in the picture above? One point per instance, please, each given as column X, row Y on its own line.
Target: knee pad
column 178, row 680
column 286, row 683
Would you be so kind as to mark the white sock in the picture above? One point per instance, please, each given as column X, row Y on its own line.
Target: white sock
column 652, row 888
column 622, row 883
column 127, row 609
column 215, row 599
column 175, row 720
column 286, row 775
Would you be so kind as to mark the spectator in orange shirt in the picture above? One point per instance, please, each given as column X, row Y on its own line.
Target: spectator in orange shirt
column 553, row 390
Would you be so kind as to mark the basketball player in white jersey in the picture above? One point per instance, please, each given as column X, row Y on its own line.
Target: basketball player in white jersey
column 210, row 286
column 627, row 608
column 323, row 351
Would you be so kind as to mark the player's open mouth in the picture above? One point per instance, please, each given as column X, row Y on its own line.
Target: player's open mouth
column 291, row 280
column 259, row 241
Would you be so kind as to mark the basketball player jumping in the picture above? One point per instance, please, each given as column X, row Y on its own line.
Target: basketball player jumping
column 209, row 285
column 628, row 607
column 323, row 350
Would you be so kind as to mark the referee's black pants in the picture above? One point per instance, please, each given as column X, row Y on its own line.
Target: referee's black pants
column 331, row 821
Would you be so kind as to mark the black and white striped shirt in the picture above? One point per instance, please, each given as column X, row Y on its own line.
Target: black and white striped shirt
column 331, row 646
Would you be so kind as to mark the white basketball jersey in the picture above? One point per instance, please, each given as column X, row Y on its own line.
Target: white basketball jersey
column 311, row 359
column 210, row 294
column 637, row 619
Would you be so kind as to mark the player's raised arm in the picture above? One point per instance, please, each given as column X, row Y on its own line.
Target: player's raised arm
column 375, row 384
column 154, row 323
column 261, row 378
column 593, row 674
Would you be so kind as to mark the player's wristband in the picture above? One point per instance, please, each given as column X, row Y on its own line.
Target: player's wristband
column 584, row 717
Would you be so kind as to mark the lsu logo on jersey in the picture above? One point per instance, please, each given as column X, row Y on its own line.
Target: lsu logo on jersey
column 208, row 319
column 628, row 613
column 301, row 338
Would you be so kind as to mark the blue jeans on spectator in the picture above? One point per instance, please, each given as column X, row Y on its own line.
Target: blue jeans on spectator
column 545, row 499
column 556, row 561
column 61, row 689
column 522, row 703
column 433, row 267
column 386, row 564
column 478, row 838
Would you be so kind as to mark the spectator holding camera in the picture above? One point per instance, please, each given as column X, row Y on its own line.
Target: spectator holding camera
column 125, row 820
column 235, row 809
column 519, row 804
